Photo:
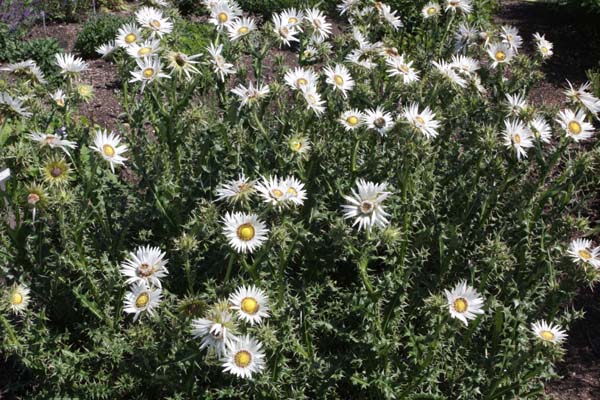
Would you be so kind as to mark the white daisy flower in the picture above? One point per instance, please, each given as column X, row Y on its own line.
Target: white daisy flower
column 465, row 6
column 548, row 332
column 223, row 14
column 300, row 78
column 18, row 298
column 366, row 205
column 540, row 129
column 59, row 97
column 468, row 66
column 4, row 176
column 28, row 68
column 400, row 66
column 351, row 119
column 154, row 20
column 361, row 58
column 127, row 35
column 12, row 106
column 221, row 66
column 142, row 298
column 294, row 190
column 581, row 250
column 217, row 328
column 313, row 99
column 574, row 124
column 182, row 64
column 464, row 303
column 339, row 77
column 240, row 27
column 447, row 70
column 346, row 6
column 285, row 32
column 245, row 232
column 108, row 145
column 273, row 190
column 431, row 10
column 544, row 46
column 293, row 18
column 236, row 190
column 510, row 35
column 53, row 140
column 465, row 36
column 584, row 97
column 147, row 48
column 517, row 136
column 300, row 145
column 244, row 358
column 69, row 64
column 378, row 120
column 423, row 121
column 319, row 23
column 500, row 53
column 517, row 103
column 106, row 49
column 390, row 16
column 145, row 265
column 250, row 95
column 251, row 304
column 149, row 70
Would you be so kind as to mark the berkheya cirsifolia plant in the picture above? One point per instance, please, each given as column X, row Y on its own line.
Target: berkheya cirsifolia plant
column 365, row 209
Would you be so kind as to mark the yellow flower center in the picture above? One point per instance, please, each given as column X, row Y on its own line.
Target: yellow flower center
column 338, row 80
column 312, row 99
column 148, row 73
column 431, row 10
column 60, row 102
column 142, row 300
column 584, row 254
column 155, row 23
column 296, row 146
column 575, row 127
column 144, row 51
column 420, row 120
column 544, row 50
column 404, row 68
column 292, row 20
column 292, row 191
column 283, row 31
column 547, row 335
column 301, row 82
column 243, row 30
column 130, row 38
column 222, row 17
column 352, row 120
column 276, row 193
column 460, row 305
column 108, row 150
column 500, row 55
column 246, row 232
column 16, row 298
column 242, row 358
column 249, row 305
column 517, row 138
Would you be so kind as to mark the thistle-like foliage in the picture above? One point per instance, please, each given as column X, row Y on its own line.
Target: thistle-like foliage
column 368, row 209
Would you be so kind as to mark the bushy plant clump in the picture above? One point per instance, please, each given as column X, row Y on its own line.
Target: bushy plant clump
column 301, row 210
column 97, row 31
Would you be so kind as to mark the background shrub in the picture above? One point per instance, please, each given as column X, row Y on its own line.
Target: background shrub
column 97, row 31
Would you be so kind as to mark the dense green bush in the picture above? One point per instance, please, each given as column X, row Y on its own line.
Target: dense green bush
column 352, row 313
column 97, row 31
